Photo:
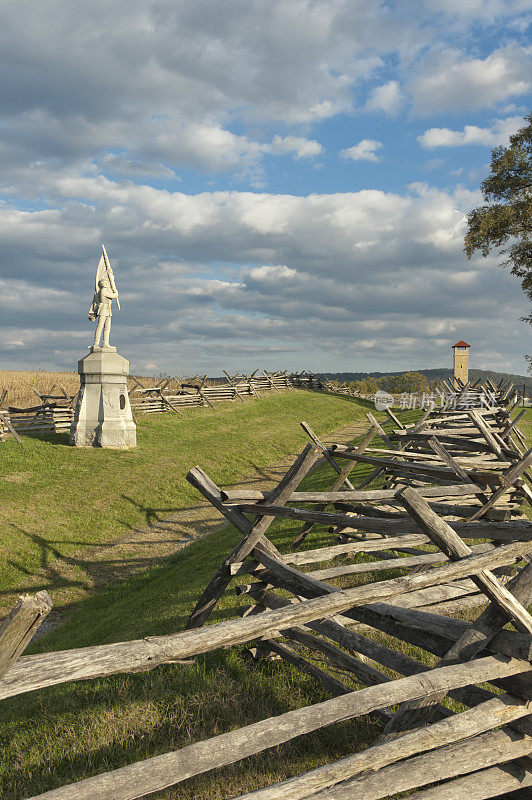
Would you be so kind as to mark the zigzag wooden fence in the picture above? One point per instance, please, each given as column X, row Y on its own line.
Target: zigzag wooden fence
column 449, row 479
column 171, row 394
column 55, row 413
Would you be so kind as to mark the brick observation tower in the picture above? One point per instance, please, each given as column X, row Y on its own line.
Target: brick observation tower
column 461, row 363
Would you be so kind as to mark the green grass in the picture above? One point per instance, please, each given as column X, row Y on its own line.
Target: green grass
column 62, row 734
column 58, row 501
column 65, row 733
column 525, row 423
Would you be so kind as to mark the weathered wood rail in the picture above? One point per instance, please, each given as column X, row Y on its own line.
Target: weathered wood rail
column 450, row 539
column 52, row 414
column 55, row 412
column 172, row 394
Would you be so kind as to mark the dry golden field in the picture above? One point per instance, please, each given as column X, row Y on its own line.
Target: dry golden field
column 19, row 384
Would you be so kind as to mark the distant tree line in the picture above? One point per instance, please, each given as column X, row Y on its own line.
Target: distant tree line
column 411, row 382
column 433, row 377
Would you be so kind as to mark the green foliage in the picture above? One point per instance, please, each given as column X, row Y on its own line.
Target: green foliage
column 505, row 222
column 367, row 385
column 434, row 376
column 411, row 382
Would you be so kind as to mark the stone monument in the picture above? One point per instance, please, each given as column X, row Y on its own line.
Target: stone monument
column 103, row 417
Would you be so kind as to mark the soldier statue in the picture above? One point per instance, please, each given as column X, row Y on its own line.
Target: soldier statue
column 104, row 294
column 103, row 416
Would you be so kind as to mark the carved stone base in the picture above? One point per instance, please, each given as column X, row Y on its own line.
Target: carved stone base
column 103, row 417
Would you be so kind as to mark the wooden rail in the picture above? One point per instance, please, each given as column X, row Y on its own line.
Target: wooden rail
column 169, row 395
column 335, row 633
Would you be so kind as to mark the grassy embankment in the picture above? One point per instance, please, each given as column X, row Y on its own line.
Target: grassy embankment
column 58, row 501
column 65, row 733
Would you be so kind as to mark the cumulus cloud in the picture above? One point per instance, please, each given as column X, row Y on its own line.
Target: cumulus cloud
column 155, row 85
column 301, row 147
column 149, row 87
column 497, row 133
column 479, row 9
column 290, row 60
column 386, row 98
column 269, row 273
column 105, row 110
column 451, row 82
column 256, row 273
column 365, row 150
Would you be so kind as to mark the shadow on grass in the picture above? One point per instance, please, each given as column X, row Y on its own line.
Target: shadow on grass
column 122, row 719
column 92, row 569
column 151, row 515
column 60, row 438
column 134, row 717
column 58, row 570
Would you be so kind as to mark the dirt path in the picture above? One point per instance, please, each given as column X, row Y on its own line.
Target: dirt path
column 70, row 578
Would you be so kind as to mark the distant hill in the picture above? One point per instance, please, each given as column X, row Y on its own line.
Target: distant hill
column 434, row 374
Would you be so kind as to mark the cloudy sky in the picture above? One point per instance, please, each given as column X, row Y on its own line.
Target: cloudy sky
column 279, row 183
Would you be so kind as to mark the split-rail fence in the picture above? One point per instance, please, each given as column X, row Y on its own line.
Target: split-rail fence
column 55, row 412
column 443, row 508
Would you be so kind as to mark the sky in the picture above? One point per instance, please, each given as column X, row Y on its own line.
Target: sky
column 280, row 184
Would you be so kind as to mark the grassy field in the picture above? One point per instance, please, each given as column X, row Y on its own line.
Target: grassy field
column 63, row 734
column 525, row 425
column 58, row 501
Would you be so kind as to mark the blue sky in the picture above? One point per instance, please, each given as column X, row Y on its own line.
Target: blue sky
column 278, row 184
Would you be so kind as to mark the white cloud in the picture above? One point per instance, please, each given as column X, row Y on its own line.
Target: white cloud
column 152, row 146
column 206, row 147
column 290, row 60
column 306, row 277
column 119, row 165
column 301, row 147
column 452, row 82
column 104, row 100
column 386, row 98
column 146, row 88
column 275, row 272
column 498, row 132
column 365, row 150
column 478, row 9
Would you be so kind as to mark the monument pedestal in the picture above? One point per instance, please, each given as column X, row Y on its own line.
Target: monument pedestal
column 103, row 417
